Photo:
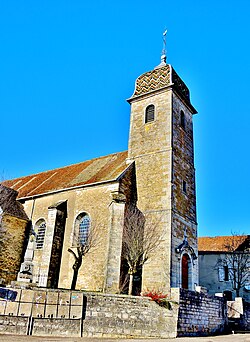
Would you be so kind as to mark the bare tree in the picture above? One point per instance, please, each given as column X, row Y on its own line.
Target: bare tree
column 237, row 261
column 141, row 237
column 82, row 246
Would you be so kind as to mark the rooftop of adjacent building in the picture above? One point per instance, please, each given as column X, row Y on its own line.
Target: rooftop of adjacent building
column 223, row 243
column 9, row 205
column 97, row 170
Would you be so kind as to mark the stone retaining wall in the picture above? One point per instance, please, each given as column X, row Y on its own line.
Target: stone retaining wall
column 200, row 314
column 56, row 327
column 245, row 318
column 116, row 316
column 75, row 313
column 14, row 325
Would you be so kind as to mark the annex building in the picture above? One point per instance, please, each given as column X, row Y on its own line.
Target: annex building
column 224, row 265
column 156, row 175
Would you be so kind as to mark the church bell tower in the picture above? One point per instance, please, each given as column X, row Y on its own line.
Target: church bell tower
column 161, row 145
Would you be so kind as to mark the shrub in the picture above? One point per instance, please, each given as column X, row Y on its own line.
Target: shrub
column 158, row 297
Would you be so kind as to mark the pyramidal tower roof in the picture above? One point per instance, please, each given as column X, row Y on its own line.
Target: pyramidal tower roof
column 161, row 77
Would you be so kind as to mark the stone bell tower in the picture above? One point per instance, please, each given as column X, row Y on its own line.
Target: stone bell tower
column 161, row 144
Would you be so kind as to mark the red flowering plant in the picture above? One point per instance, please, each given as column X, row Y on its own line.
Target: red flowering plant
column 157, row 296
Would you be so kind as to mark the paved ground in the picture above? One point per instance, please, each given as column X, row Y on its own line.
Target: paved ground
column 224, row 338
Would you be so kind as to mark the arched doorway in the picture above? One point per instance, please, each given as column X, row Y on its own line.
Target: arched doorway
column 185, row 271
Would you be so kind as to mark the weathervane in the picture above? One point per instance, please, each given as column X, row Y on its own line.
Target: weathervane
column 163, row 53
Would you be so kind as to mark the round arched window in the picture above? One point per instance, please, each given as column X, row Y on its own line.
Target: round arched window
column 81, row 229
column 40, row 229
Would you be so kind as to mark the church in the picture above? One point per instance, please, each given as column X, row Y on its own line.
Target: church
column 156, row 175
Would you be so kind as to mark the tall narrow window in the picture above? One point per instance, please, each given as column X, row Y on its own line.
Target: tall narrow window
column 184, row 187
column 226, row 278
column 150, row 113
column 183, row 122
column 40, row 228
column 81, row 229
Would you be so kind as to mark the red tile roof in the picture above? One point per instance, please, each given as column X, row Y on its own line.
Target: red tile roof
column 220, row 243
column 97, row 170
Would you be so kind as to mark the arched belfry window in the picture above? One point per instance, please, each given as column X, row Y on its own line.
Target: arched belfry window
column 81, row 230
column 40, row 229
column 150, row 113
column 183, row 121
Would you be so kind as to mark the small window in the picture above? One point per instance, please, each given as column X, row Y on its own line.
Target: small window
column 150, row 113
column 184, row 187
column 40, row 228
column 81, row 229
column 183, row 121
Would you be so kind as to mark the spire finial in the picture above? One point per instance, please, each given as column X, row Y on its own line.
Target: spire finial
column 163, row 52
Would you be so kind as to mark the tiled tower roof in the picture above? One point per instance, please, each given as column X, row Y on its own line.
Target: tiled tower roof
column 160, row 78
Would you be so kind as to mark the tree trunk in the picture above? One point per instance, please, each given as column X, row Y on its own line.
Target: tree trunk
column 76, row 267
column 130, row 287
column 74, row 280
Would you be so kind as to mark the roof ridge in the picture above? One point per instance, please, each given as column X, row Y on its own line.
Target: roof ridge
column 221, row 236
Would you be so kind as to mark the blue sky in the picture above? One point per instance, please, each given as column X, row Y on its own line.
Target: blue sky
column 67, row 68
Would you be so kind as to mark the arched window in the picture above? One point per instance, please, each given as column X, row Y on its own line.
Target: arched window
column 40, row 229
column 150, row 113
column 183, row 121
column 81, row 229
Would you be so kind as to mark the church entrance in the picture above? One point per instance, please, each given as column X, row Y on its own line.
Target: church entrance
column 185, row 271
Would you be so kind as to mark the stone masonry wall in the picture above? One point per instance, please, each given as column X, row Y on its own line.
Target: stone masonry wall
column 128, row 316
column 200, row 314
column 95, row 201
column 11, row 258
column 150, row 149
column 244, row 323
column 183, row 202
column 75, row 313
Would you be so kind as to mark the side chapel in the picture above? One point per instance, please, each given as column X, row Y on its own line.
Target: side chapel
column 156, row 174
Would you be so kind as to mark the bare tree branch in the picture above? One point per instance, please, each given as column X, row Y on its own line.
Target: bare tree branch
column 237, row 259
column 141, row 237
column 80, row 248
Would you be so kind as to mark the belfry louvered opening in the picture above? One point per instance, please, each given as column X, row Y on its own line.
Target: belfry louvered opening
column 150, row 113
